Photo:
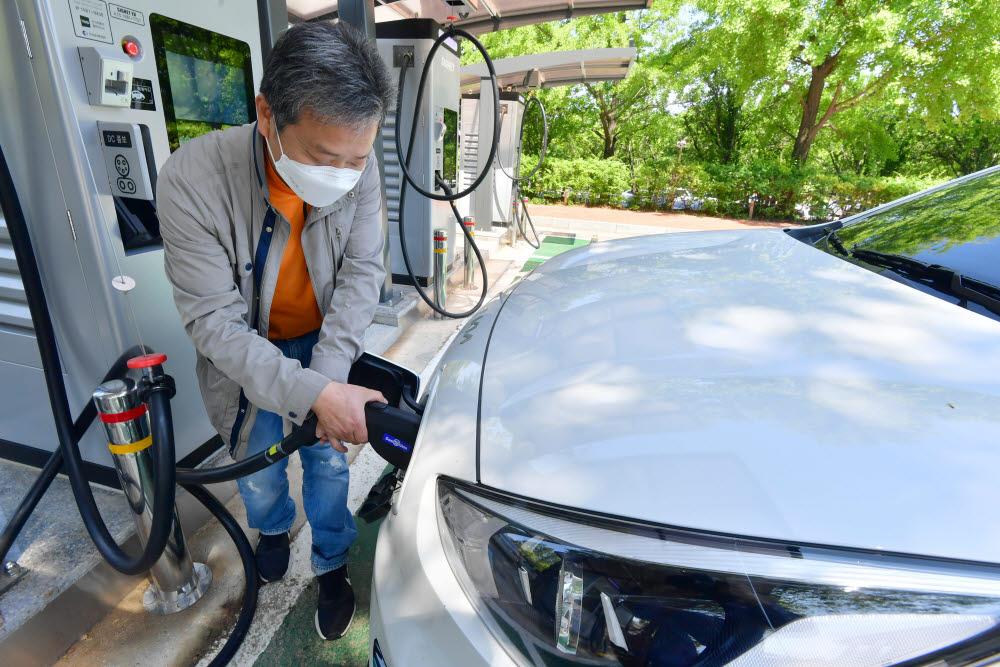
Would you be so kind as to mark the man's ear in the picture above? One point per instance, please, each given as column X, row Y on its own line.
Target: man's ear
column 264, row 116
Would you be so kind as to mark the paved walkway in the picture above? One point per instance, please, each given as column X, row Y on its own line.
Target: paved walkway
column 645, row 218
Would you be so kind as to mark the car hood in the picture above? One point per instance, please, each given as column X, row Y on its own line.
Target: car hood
column 746, row 383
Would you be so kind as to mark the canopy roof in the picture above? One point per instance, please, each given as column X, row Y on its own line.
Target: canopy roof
column 548, row 70
column 476, row 16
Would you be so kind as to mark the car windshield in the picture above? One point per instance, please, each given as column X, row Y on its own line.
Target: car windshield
column 946, row 243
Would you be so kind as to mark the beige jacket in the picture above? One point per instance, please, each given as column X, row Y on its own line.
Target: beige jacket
column 223, row 244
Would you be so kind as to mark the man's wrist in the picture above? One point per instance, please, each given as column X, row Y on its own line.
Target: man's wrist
column 307, row 387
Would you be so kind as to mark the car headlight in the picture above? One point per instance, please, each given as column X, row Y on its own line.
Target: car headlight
column 564, row 588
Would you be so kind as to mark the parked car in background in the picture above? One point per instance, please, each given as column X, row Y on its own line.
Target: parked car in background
column 750, row 447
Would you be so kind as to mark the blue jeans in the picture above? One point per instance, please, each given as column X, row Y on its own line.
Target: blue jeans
column 325, row 478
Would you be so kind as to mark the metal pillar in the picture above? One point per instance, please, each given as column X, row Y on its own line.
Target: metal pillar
column 482, row 198
column 177, row 582
column 440, row 269
column 273, row 19
column 361, row 15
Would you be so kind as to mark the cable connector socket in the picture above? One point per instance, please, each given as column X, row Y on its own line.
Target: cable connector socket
column 400, row 53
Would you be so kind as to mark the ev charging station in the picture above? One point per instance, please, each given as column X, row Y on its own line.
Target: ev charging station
column 97, row 96
column 493, row 206
column 436, row 148
column 492, row 203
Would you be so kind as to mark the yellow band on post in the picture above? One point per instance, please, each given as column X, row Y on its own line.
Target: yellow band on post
column 440, row 250
column 133, row 448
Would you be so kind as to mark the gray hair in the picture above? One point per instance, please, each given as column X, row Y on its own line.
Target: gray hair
column 330, row 69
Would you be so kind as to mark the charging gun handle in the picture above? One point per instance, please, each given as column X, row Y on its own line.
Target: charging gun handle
column 392, row 432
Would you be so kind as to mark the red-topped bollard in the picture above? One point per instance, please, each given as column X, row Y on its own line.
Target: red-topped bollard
column 440, row 270
column 177, row 582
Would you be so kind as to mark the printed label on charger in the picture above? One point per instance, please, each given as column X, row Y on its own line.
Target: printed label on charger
column 395, row 442
column 90, row 19
column 142, row 94
column 126, row 14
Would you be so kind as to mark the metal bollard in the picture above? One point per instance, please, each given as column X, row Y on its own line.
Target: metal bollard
column 470, row 256
column 11, row 572
column 177, row 582
column 440, row 269
column 510, row 233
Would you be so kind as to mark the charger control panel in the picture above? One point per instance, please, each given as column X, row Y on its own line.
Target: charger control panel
column 127, row 159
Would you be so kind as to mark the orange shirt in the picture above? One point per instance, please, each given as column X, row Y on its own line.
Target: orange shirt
column 294, row 311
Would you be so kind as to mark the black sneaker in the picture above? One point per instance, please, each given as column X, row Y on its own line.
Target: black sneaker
column 335, row 610
column 272, row 556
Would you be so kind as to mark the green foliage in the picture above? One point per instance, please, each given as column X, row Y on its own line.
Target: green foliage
column 779, row 191
column 733, row 79
column 717, row 120
column 826, row 57
column 963, row 145
column 593, row 174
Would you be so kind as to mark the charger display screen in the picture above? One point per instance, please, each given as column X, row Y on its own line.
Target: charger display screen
column 450, row 157
column 206, row 80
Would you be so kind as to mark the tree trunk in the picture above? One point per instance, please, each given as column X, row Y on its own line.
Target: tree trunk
column 609, row 124
column 610, row 145
column 609, row 120
column 808, row 127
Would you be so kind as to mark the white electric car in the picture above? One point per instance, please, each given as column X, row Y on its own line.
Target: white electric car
column 749, row 448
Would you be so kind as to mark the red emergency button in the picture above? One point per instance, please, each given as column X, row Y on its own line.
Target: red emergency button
column 131, row 48
column 147, row 361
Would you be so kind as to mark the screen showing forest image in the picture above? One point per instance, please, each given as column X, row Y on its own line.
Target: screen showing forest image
column 450, row 166
column 206, row 92
column 205, row 79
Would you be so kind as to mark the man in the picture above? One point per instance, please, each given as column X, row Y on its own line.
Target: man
column 273, row 242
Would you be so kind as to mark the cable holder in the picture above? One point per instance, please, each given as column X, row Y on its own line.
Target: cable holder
column 177, row 581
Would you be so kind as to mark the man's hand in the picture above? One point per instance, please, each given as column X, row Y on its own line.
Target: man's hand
column 340, row 410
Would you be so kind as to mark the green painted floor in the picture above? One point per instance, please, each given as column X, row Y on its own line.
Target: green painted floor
column 552, row 246
column 296, row 641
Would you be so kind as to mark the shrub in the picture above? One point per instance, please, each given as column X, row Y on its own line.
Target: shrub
column 593, row 174
column 779, row 191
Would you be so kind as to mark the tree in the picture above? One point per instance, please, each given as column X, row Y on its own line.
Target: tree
column 716, row 120
column 871, row 141
column 612, row 102
column 965, row 146
column 832, row 56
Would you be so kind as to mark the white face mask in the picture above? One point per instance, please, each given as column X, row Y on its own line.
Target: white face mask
column 318, row 186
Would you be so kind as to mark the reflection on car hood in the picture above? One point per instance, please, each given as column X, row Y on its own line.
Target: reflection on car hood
column 746, row 383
